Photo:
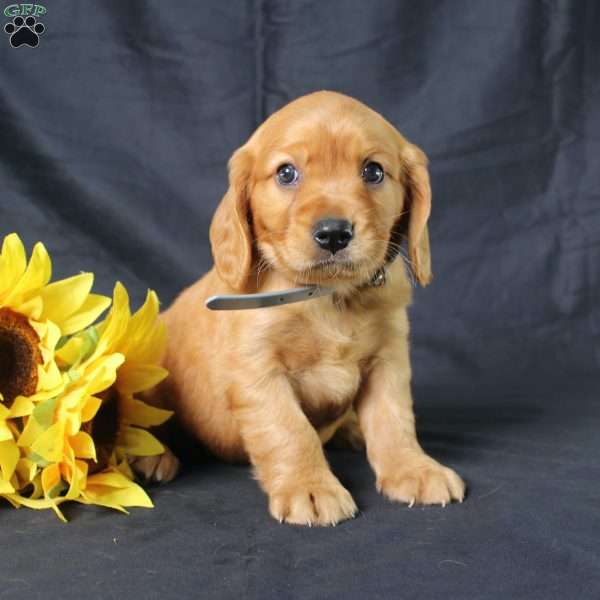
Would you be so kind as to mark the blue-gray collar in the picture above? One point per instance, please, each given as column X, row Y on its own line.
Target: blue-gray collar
column 266, row 299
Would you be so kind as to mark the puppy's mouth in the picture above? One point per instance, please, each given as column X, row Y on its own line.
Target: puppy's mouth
column 323, row 269
column 332, row 269
column 334, row 263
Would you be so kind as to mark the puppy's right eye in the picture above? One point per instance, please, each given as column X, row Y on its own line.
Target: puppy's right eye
column 373, row 172
column 287, row 174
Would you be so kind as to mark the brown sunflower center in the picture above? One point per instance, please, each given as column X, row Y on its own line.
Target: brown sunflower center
column 104, row 429
column 19, row 356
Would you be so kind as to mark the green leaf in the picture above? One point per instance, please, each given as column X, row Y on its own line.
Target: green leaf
column 38, row 460
column 90, row 337
column 73, row 374
column 62, row 341
column 44, row 412
column 60, row 487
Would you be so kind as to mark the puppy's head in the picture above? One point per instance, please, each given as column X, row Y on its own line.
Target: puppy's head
column 323, row 192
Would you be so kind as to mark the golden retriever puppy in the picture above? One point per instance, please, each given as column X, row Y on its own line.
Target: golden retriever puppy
column 322, row 193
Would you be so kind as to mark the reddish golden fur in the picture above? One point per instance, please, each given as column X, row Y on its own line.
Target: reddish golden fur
column 272, row 385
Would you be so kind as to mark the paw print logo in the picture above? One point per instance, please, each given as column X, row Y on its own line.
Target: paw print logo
column 24, row 31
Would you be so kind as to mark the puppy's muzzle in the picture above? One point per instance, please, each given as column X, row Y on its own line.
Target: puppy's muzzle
column 333, row 234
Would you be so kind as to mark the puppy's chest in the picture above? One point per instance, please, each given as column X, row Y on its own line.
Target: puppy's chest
column 325, row 358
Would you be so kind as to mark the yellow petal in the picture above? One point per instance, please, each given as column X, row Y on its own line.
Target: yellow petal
column 83, row 445
column 134, row 377
column 40, row 504
column 63, row 298
column 48, row 338
column 73, row 397
column 26, row 469
column 152, row 348
column 89, row 311
column 32, row 431
column 90, row 408
column 40, row 327
column 50, row 444
column 104, row 374
column 13, row 262
column 50, row 377
column 141, row 344
column 70, row 353
column 116, row 498
column 110, row 478
column 37, row 274
column 21, row 407
column 6, row 487
column 36, row 484
column 42, row 395
column 82, row 470
column 9, row 457
column 72, row 421
column 126, row 494
column 50, row 477
column 145, row 317
column 5, row 432
column 78, row 480
column 32, row 307
column 124, row 468
column 114, row 327
column 139, row 442
column 136, row 412
column 73, row 472
column 93, row 498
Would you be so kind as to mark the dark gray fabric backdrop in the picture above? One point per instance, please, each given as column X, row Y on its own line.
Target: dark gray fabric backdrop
column 116, row 130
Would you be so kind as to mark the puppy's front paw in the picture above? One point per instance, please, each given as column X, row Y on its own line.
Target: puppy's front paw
column 324, row 502
column 161, row 468
column 422, row 480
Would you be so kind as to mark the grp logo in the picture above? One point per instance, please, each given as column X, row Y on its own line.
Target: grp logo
column 25, row 28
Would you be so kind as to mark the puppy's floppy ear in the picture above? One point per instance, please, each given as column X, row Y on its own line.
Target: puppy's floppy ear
column 418, row 190
column 230, row 230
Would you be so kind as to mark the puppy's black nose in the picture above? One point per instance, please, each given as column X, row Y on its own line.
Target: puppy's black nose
column 333, row 234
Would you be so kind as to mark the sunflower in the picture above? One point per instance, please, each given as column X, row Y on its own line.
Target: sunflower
column 82, row 438
column 121, row 421
column 34, row 316
column 53, row 439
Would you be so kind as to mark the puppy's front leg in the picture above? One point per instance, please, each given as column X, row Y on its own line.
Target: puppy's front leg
column 287, row 455
column 404, row 472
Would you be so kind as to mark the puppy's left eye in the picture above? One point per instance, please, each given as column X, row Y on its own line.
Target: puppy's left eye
column 373, row 172
column 287, row 174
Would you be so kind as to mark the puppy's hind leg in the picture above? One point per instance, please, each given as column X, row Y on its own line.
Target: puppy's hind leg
column 161, row 468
